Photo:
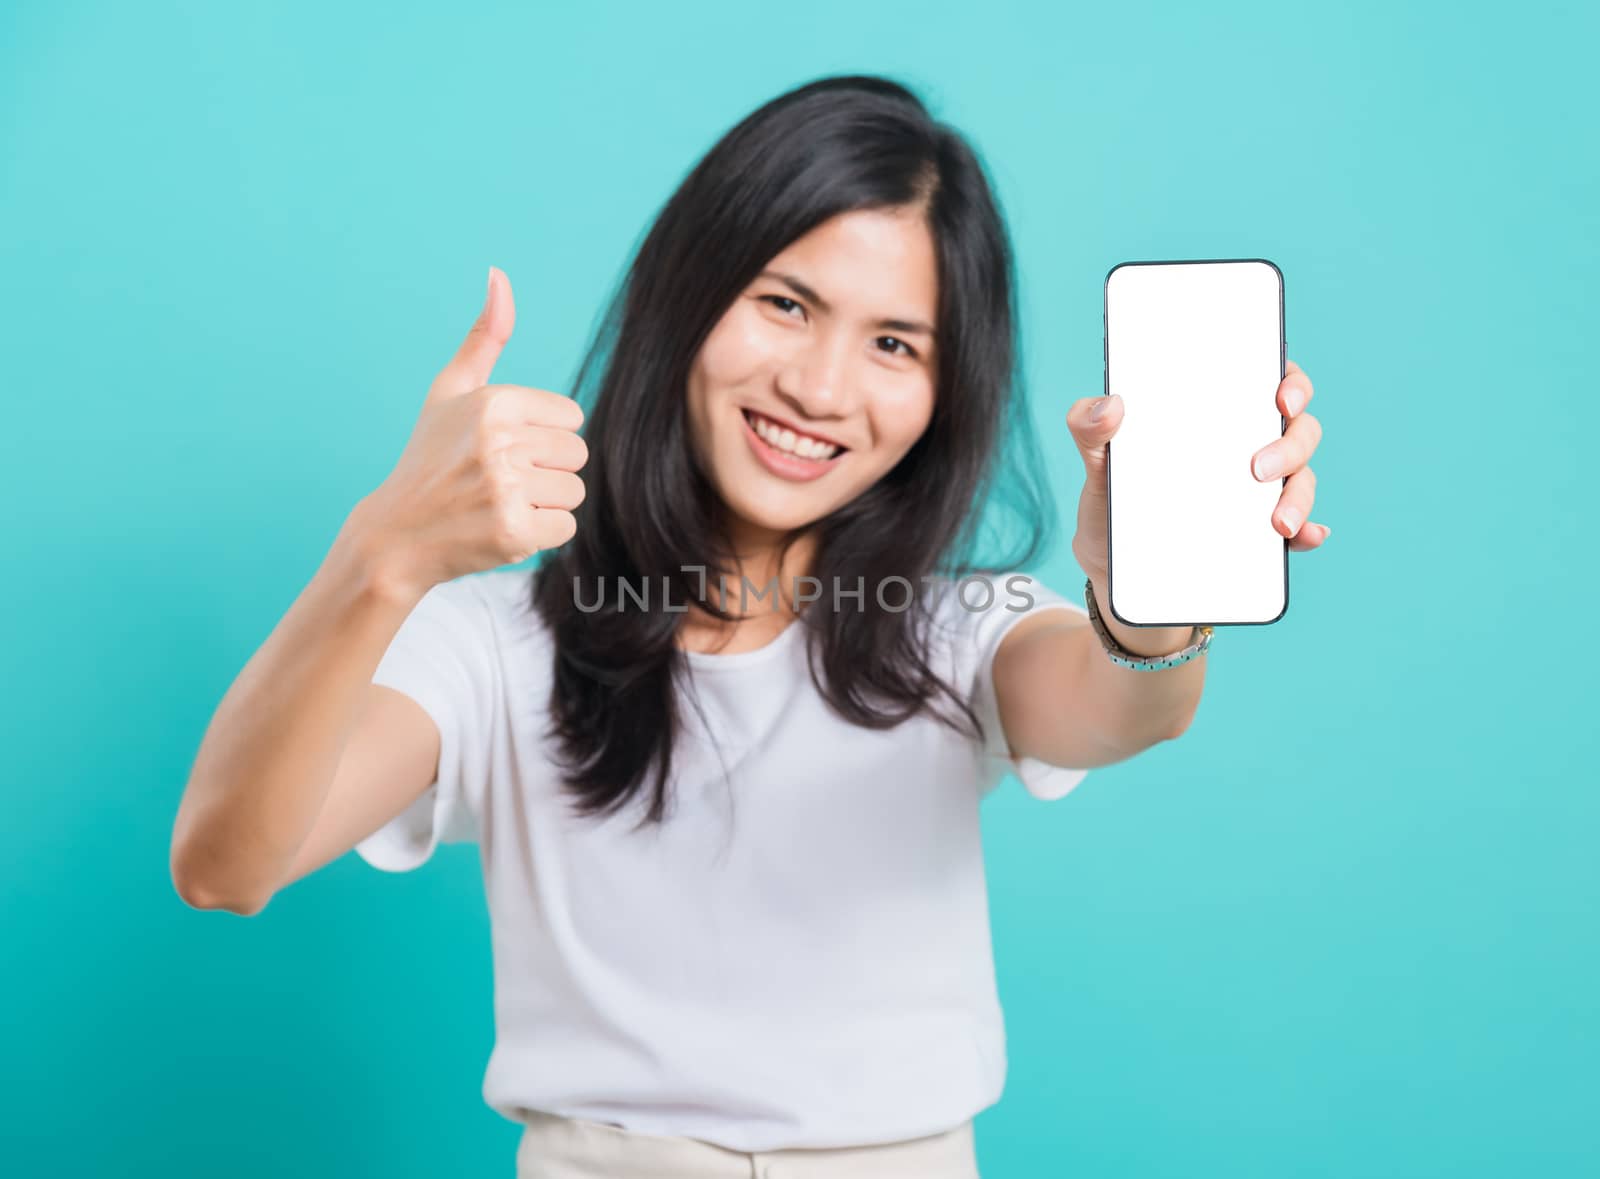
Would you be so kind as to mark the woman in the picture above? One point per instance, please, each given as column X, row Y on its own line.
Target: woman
column 724, row 749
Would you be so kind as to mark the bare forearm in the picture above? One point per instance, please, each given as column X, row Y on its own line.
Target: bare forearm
column 1142, row 707
column 271, row 750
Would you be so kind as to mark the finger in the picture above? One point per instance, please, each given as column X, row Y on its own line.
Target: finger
column 552, row 527
column 1294, row 505
column 553, row 489
column 552, row 449
column 1091, row 433
column 1287, row 454
column 542, row 407
column 1294, row 391
column 1309, row 537
column 474, row 361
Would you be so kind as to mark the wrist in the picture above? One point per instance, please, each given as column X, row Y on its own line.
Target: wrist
column 1139, row 640
column 363, row 556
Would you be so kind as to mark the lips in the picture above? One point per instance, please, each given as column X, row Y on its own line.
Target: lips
column 790, row 467
column 752, row 415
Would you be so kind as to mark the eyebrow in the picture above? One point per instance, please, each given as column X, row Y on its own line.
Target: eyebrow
column 804, row 291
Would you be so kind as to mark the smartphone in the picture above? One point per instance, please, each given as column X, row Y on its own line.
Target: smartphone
column 1196, row 351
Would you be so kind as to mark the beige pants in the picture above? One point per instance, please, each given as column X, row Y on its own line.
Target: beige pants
column 554, row 1147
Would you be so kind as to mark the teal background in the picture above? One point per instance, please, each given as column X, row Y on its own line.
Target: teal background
column 1345, row 926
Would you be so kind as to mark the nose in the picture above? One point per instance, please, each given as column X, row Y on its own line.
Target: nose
column 817, row 379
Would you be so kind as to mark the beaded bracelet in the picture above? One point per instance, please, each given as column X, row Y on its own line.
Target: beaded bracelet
column 1123, row 657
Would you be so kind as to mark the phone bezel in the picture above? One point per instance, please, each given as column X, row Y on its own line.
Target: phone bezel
column 1105, row 349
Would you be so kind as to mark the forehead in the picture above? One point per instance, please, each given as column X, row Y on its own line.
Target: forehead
column 866, row 258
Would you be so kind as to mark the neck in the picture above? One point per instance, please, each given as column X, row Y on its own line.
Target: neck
column 756, row 557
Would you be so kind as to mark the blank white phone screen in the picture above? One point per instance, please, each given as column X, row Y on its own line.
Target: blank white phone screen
column 1195, row 351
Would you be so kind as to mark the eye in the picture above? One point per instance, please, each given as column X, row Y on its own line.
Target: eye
column 775, row 300
column 909, row 350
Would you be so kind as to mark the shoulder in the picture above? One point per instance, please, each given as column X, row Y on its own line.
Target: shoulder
column 502, row 593
column 977, row 602
column 495, row 607
column 973, row 613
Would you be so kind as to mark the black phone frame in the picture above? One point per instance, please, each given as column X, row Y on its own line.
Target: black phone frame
column 1105, row 352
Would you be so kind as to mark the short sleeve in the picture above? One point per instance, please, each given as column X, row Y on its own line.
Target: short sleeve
column 443, row 657
column 984, row 619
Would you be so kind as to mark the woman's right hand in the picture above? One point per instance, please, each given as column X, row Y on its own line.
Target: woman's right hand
column 488, row 477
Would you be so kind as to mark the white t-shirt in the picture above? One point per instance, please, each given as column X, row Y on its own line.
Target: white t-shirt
column 799, row 957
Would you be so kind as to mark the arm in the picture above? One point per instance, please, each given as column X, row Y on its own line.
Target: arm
column 1060, row 699
column 1063, row 702
column 304, row 753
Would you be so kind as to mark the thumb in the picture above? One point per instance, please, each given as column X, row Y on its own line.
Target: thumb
column 474, row 362
column 1092, row 433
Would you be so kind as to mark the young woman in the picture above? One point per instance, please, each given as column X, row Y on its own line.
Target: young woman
column 723, row 749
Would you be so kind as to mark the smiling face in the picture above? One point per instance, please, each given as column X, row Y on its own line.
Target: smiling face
column 819, row 377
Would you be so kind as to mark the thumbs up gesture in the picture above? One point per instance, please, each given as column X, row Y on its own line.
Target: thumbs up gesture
column 489, row 475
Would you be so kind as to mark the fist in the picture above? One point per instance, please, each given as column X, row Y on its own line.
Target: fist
column 489, row 475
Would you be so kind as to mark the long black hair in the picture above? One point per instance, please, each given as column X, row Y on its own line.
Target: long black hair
column 651, row 516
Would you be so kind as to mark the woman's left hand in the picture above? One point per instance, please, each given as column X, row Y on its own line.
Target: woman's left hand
column 1288, row 455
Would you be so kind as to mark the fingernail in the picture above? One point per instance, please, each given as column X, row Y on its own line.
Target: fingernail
column 1295, row 400
column 488, row 299
column 1267, row 464
column 1099, row 409
column 1291, row 520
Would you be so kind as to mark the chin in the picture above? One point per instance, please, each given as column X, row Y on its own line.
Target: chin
column 771, row 517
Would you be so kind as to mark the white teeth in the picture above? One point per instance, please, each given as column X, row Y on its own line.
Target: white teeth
column 787, row 440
